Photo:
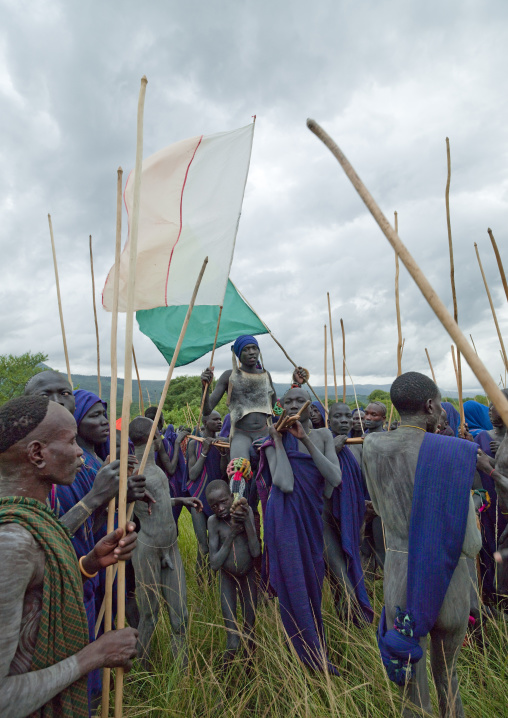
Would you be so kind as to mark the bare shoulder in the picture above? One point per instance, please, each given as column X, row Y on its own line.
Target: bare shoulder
column 19, row 552
column 391, row 443
column 224, row 377
column 322, row 435
column 212, row 522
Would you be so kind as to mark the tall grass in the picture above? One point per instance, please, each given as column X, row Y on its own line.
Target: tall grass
column 277, row 686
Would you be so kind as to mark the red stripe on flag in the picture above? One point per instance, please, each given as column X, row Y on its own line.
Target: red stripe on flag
column 180, row 232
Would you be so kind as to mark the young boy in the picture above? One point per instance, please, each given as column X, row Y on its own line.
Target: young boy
column 233, row 548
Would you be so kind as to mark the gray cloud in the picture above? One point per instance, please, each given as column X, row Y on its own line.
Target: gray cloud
column 389, row 81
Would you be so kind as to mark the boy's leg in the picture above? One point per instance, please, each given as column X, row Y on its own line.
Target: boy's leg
column 174, row 590
column 228, row 599
column 147, row 567
column 248, row 601
column 199, row 523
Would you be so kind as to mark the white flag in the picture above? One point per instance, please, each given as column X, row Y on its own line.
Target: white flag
column 191, row 201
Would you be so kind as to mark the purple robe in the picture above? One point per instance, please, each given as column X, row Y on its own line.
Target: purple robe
column 177, row 482
column 293, row 535
column 488, row 519
column 211, row 472
column 348, row 508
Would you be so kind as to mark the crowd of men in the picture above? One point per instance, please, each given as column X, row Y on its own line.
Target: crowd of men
column 341, row 494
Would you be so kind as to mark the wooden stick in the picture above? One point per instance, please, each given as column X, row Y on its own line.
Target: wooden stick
column 333, row 350
column 127, row 388
column 459, row 389
column 431, row 369
column 285, row 422
column 326, row 374
column 503, row 351
column 356, row 400
column 108, row 595
column 96, row 325
column 343, row 361
column 397, row 304
column 452, row 280
column 472, row 341
column 141, row 402
column 211, row 367
column 278, row 343
column 499, row 262
column 57, row 282
column 489, row 385
column 148, row 395
column 355, row 440
column 216, row 442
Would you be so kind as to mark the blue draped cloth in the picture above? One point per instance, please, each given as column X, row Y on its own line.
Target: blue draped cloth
column 177, row 482
column 442, row 489
column 477, row 417
column 293, row 535
column 84, row 542
column 452, row 416
column 488, row 519
column 348, row 508
column 226, row 426
column 211, row 472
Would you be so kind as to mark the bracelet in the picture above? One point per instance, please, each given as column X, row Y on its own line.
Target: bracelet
column 492, row 471
column 88, row 575
column 89, row 512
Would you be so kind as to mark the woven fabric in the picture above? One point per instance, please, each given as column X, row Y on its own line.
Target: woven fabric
column 63, row 629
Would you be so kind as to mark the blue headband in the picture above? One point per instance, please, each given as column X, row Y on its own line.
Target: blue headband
column 242, row 342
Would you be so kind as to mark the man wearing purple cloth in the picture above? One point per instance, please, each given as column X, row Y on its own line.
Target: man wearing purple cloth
column 420, row 485
column 303, row 467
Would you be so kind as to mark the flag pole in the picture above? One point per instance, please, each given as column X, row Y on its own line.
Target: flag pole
column 452, row 281
column 397, row 312
column 95, row 319
column 211, row 367
column 489, row 385
column 333, row 350
column 474, row 346
column 459, row 383
column 159, row 408
column 141, row 402
column 59, row 301
column 127, row 389
column 503, row 351
column 343, row 361
column 108, row 594
column 499, row 261
column 326, row 375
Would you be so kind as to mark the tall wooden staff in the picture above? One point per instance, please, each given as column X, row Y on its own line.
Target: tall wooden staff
column 499, row 262
column 489, row 385
column 343, row 361
column 95, row 319
column 452, row 280
column 326, row 374
column 503, row 352
column 127, row 389
column 431, row 369
column 459, row 383
column 472, row 342
column 108, row 597
column 333, row 351
column 397, row 304
column 198, row 430
column 141, row 402
column 57, row 282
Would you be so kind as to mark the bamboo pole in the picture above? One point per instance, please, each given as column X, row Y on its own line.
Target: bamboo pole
column 326, row 374
column 343, row 361
column 356, row 399
column 452, row 280
column 108, row 594
column 459, row 389
column 127, row 389
column 57, row 282
column 474, row 347
column 499, row 262
column 141, row 402
column 95, row 319
column 333, row 350
column 397, row 304
column 489, row 385
column 431, row 369
column 205, row 391
column 161, row 404
column 503, row 351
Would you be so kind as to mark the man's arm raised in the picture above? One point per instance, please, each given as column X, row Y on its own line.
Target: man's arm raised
column 211, row 400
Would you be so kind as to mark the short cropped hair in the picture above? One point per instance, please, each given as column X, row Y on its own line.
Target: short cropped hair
column 217, row 484
column 410, row 391
column 150, row 412
column 139, row 430
column 378, row 403
column 20, row 416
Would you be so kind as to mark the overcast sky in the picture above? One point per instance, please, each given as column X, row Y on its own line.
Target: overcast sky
column 388, row 80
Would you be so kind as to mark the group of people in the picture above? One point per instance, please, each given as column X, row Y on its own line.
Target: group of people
column 341, row 497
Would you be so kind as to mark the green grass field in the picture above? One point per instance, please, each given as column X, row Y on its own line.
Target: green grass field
column 278, row 686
